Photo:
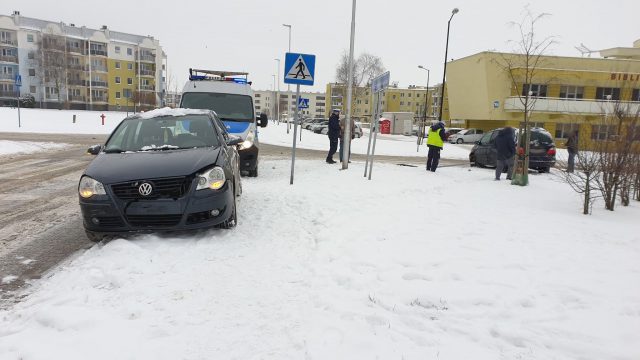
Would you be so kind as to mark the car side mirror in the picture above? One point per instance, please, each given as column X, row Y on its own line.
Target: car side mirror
column 263, row 120
column 234, row 140
column 94, row 150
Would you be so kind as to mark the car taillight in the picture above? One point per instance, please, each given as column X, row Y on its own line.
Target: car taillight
column 551, row 152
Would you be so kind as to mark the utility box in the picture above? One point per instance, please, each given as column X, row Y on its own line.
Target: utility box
column 401, row 121
column 385, row 126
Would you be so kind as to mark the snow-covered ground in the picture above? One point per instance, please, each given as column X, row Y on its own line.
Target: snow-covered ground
column 409, row 265
column 8, row 147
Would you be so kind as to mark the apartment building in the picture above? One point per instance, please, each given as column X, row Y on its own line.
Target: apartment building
column 569, row 93
column 266, row 102
column 66, row 66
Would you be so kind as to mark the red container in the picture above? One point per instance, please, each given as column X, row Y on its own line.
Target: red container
column 385, row 126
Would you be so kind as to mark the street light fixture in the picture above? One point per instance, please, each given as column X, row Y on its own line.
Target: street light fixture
column 444, row 75
column 288, row 86
column 278, row 92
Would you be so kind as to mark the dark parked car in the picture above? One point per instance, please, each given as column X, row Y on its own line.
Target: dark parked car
column 542, row 150
column 162, row 170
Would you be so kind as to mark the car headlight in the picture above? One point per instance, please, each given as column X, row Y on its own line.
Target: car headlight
column 211, row 179
column 89, row 187
column 248, row 142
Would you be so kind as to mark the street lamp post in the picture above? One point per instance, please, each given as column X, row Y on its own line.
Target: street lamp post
column 278, row 92
column 444, row 74
column 426, row 106
column 288, row 86
column 274, row 93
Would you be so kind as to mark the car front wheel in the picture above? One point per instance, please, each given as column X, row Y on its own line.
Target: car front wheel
column 232, row 221
column 95, row 237
column 459, row 141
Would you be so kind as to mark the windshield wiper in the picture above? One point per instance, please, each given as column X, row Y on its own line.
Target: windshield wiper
column 161, row 148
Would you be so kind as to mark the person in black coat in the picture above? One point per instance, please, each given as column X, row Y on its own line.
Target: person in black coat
column 333, row 133
column 505, row 144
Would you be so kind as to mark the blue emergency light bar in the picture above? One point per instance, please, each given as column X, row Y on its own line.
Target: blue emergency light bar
column 215, row 75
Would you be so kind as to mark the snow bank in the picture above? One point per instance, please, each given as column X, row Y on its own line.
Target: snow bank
column 24, row 147
column 410, row 265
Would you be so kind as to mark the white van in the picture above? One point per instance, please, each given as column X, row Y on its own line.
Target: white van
column 229, row 94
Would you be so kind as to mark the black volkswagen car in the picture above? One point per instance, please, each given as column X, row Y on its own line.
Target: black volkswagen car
column 542, row 150
column 163, row 170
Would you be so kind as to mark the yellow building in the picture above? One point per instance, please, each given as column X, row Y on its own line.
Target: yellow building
column 569, row 93
column 393, row 99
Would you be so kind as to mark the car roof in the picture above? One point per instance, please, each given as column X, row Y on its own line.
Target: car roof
column 167, row 111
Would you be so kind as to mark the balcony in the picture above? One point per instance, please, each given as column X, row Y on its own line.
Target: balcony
column 147, row 58
column 4, row 93
column 144, row 72
column 75, row 50
column 7, row 77
column 99, row 84
column 78, row 67
column 98, row 52
column 566, row 106
column 77, row 82
column 99, row 69
column 52, row 96
column 76, row 98
column 102, row 98
column 9, row 42
column 9, row 58
column 147, row 88
column 53, row 47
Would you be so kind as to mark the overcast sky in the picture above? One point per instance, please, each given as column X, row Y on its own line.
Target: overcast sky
column 248, row 34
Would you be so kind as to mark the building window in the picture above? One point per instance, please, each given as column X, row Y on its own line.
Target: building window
column 401, row 103
column 602, row 132
column 129, row 81
column 409, row 103
column 126, row 93
column 571, row 92
column 563, row 130
column 257, row 101
column 117, row 94
column 31, row 55
column 129, row 66
column 32, row 89
column 257, row 95
column 319, row 97
column 603, row 93
column 29, row 37
column 393, row 97
column 117, row 64
column 129, row 51
column 117, row 49
column 32, row 72
column 409, row 95
column 401, row 94
column 117, row 79
column 537, row 90
column 636, row 95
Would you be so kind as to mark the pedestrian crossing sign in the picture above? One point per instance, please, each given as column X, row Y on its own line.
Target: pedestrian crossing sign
column 303, row 103
column 299, row 68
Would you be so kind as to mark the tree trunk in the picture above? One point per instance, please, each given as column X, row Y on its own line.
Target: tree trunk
column 587, row 196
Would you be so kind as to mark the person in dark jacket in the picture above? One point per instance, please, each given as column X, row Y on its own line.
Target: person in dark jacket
column 333, row 133
column 435, row 143
column 505, row 144
column 572, row 149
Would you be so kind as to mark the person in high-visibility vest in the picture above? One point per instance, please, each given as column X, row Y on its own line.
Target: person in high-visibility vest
column 435, row 143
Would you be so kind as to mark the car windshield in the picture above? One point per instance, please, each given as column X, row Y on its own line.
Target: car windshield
column 163, row 133
column 229, row 107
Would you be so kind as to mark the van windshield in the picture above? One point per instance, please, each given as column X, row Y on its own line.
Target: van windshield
column 229, row 107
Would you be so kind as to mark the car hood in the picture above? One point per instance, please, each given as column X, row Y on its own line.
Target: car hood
column 114, row 168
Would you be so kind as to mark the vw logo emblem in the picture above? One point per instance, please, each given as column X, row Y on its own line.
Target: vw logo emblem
column 145, row 189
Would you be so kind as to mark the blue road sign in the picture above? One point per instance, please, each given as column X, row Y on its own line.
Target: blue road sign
column 299, row 69
column 380, row 82
column 18, row 80
column 303, row 103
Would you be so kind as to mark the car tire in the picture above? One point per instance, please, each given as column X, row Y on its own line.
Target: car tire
column 459, row 141
column 232, row 221
column 544, row 170
column 95, row 237
column 254, row 172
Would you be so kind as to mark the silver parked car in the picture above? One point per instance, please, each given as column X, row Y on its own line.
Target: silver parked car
column 466, row 136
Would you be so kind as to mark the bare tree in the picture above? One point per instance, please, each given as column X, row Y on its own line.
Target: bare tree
column 365, row 68
column 50, row 61
column 522, row 68
column 618, row 151
column 584, row 179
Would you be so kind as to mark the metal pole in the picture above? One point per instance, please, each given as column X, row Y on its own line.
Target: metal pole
column 426, row 105
column 346, row 136
column 18, row 98
column 444, row 74
column 374, row 118
column 278, row 91
column 375, row 136
column 288, row 86
column 295, row 130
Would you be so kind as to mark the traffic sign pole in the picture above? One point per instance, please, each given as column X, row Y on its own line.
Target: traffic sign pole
column 18, row 84
column 295, row 130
